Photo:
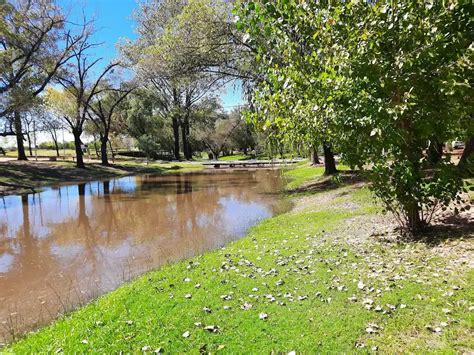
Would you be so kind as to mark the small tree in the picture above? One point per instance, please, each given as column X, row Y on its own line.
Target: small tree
column 102, row 112
column 50, row 124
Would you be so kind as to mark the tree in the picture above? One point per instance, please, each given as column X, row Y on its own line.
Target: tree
column 51, row 124
column 102, row 111
column 79, row 90
column 169, row 33
column 143, row 120
column 243, row 136
column 291, row 98
column 403, row 70
column 215, row 130
column 381, row 82
column 34, row 45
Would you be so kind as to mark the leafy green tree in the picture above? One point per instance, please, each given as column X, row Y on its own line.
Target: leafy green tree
column 144, row 120
column 384, row 83
column 291, row 98
column 178, row 54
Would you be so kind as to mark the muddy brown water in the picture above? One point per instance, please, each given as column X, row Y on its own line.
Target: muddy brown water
column 70, row 243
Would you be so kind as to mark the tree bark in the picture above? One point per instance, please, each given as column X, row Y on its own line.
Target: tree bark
column 185, row 141
column 314, row 156
column 56, row 146
column 77, row 145
column 468, row 150
column 176, row 137
column 329, row 161
column 103, row 150
column 29, row 144
column 19, row 137
column 412, row 212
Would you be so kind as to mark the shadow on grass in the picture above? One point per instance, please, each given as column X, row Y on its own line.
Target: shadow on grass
column 332, row 182
column 445, row 229
column 448, row 228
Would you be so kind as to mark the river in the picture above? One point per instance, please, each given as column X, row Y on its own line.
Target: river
column 70, row 243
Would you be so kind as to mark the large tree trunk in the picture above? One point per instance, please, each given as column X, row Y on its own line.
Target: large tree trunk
column 468, row 150
column 103, row 150
column 176, row 137
column 19, row 137
column 77, row 145
column 329, row 161
column 314, row 156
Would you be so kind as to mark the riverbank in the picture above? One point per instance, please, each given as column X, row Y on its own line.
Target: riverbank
column 17, row 177
column 328, row 276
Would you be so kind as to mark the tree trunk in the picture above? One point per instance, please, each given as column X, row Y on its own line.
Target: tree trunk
column 435, row 151
column 314, row 156
column 19, row 137
column 111, row 148
column 329, row 161
column 56, row 146
column 412, row 213
column 77, row 145
column 185, row 141
column 29, row 144
column 176, row 137
column 468, row 150
column 103, row 150
column 188, row 143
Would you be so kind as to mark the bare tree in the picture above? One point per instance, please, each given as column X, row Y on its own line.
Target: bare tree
column 34, row 44
column 76, row 81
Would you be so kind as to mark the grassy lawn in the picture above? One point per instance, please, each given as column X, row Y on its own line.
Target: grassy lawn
column 310, row 280
column 305, row 173
column 235, row 157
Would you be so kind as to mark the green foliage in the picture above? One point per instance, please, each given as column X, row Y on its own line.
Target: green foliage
column 381, row 82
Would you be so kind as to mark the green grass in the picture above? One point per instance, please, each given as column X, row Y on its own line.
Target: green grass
column 168, row 168
column 235, row 157
column 311, row 311
column 305, row 172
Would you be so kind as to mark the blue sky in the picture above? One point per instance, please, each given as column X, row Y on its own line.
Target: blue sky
column 113, row 21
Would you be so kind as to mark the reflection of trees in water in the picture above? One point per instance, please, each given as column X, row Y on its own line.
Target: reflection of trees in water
column 100, row 227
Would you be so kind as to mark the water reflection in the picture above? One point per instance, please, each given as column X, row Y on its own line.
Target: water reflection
column 72, row 242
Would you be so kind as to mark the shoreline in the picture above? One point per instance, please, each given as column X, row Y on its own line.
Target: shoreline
column 18, row 177
column 300, row 281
